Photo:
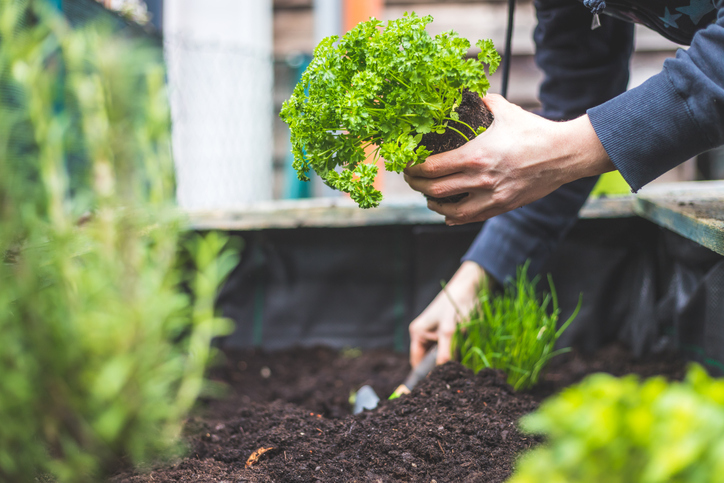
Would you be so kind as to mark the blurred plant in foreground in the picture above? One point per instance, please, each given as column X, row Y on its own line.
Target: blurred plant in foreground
column 102, row 352
column 135, row 10
column 609, row 430
column 512, row 331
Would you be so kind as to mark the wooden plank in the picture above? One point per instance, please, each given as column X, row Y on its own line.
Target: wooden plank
column 476, row 21
column 292, row 4
column 694, row 210
column 443, row 2
column 342, row 212
column 609, row 207
column 646, row 40
column 294, row 25
column 314, row 212
column 293, row 32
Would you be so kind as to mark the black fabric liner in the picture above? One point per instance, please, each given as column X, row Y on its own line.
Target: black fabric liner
column 361, row 287
column 342, row 287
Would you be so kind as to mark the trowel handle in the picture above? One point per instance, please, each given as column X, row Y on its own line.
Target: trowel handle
column 423, row 368
column 417, row 374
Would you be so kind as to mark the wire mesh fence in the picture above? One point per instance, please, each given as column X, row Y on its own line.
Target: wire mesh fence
column 220, row 69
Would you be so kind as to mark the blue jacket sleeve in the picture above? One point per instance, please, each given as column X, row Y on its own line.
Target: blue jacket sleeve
column 673, row 116
column 582, row 68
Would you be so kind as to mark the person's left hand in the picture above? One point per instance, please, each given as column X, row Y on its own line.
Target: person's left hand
column 519, row 159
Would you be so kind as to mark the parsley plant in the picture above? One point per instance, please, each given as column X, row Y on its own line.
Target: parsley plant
column 380, row 89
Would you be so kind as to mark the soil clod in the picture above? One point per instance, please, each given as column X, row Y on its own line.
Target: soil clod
column 474, row 113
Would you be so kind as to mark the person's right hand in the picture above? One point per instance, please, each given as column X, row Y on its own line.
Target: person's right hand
column 438, row 321
column 519, row 159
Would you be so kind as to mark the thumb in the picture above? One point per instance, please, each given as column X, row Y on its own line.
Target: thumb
column 496, row 104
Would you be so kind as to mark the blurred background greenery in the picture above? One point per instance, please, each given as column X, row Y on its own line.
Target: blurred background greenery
column 106, row 310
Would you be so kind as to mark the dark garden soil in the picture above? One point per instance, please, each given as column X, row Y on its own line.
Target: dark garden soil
column 454, row 427
column 472, row 111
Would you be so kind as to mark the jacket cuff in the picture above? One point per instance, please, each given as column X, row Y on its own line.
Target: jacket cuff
column 502, row 246
column 647, row 131
column 528, row 233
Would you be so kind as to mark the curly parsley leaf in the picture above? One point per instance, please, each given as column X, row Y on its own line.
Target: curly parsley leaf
column 379, row 90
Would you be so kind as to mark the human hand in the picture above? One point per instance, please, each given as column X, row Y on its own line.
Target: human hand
column 519, row 159
column 438, row 321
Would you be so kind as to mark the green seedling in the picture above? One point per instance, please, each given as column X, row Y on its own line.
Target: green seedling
column 514, row 331
column 380, row 89
column 611, row 430
column 351, row 352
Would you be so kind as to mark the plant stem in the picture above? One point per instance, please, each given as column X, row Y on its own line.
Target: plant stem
column 463, row 135
column 461, row 122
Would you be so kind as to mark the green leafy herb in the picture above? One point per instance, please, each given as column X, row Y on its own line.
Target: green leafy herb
column 610, row 430
column 106, row 310
column 512, row 331
column 380, row 89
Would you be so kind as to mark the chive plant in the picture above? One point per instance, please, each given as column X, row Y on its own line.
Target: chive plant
column 514, row 331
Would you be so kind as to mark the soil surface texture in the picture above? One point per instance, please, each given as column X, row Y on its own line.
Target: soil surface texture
column 472, row 111
column 287, row 419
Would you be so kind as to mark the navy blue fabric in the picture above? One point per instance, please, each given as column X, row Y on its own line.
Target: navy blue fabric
column 673, row 116
column 646, row 131
column 582, row 68
column 677, row 20
column 528, row 233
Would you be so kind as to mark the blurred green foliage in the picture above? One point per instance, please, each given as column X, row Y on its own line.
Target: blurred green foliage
column 104, row 338
column 514, row 331
column 610, row 184
column 614, row 430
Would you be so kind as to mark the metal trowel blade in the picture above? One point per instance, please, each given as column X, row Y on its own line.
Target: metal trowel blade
column 366, row 398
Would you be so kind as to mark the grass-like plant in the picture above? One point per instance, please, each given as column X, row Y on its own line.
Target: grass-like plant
column 622, row 430
column 514, row 331
column 102, row 352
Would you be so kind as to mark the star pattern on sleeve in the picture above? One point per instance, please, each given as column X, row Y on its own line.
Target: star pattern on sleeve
column 697, row 9
column 669, row 18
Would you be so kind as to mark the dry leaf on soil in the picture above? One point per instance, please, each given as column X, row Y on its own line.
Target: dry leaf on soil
column 255, row 456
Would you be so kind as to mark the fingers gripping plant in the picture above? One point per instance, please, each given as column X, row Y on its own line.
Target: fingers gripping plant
column 380, row 89
column 102, row 352
column 514, row 331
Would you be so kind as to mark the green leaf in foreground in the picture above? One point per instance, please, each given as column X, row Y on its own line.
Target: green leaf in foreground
column 622, row 430
column 106, row 306
column 379, row 89
column 514, row 331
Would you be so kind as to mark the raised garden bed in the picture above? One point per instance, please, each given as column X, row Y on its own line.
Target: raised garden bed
column 455, row 426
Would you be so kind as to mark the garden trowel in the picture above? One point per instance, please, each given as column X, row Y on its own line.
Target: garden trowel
column 367, row 398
